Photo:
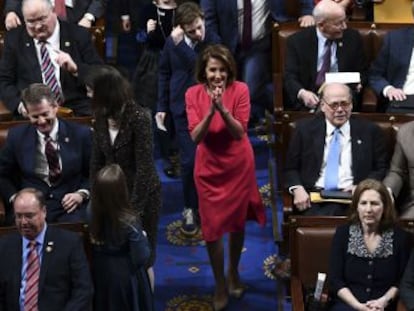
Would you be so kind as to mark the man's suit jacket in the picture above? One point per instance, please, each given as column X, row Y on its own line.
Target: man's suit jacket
column 17, row 162
column 176, row 74
column 393, row 60
column 305, row 152
column 222, row 20
column 401, row 173
column 301, row 61
column 64, row 282
column 19, row 66
column 74, row 15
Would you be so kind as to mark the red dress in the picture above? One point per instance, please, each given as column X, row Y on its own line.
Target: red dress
column 224, row 171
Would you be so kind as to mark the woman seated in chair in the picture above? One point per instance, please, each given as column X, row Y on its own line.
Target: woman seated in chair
column 369, row 254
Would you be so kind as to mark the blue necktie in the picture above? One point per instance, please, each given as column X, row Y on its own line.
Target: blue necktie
column 332, row 162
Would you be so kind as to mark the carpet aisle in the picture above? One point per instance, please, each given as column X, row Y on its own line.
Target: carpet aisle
column 184, row 280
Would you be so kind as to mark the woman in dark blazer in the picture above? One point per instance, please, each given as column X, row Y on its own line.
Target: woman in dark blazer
column 122, row 135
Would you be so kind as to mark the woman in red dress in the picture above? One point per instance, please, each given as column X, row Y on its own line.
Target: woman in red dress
column 218, row 109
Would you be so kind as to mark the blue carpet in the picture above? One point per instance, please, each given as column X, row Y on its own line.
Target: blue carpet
column 184, row 279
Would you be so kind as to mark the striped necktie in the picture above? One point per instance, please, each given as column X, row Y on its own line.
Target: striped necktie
column 48, row 70
column 326, row 64
column 32, row 278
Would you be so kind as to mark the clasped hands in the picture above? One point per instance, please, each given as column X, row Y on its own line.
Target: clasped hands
column 374, row 305
column 216, row 101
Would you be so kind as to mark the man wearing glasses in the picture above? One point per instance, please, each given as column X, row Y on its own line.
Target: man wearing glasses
column 46, row 50
column 311, row 52
column 332, row 151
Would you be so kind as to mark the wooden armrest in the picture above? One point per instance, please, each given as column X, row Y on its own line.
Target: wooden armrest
column 369, row 100
column 64, row 112
column 401, row 306
column 5, row 113
column 296, row 292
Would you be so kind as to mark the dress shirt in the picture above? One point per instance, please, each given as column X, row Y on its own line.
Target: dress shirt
column 321, row 50
column 260, row 13
column 25, row 251
column 408, row 87
column 68, row 3
column 42, row 167
column 345, row 177
column 52, row 46
column 190, row 42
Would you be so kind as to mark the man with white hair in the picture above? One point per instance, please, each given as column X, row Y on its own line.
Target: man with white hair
column 50, row 51
column 328, row 47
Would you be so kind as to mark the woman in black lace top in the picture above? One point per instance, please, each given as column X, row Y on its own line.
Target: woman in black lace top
column 369, row 254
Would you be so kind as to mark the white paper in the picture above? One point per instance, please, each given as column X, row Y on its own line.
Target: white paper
column 343, row 77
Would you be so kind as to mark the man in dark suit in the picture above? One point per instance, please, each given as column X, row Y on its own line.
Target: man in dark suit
column 391, row 72
column 305, row 50
column 52, row 274
column 176, row 75
column 82, row 12
column 70, row 51
column 224, row 21
column 361, row 152
column 24, row 160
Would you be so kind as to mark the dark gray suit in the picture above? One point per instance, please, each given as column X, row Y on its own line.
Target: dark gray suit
column 19, row 66
column 64, row 282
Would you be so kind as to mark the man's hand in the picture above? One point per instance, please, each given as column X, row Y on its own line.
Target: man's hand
column 71, row 201
column 84, row 22
column 65, row 61
column 12, row 20
column 126, row 24
column 349, row 189
column 306, row 21
column 177, row 34
column 160, row 120
column 151, row 25
column 396, row 94
column 309, row 99
column 301, row 198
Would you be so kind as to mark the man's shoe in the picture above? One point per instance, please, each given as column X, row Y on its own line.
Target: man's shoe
column 189, row 226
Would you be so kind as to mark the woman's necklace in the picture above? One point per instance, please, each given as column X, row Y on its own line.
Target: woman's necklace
column 161, row 13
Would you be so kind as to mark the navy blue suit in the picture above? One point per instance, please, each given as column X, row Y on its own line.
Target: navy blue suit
column 64, row 282
column 222, row 22
column 280, row 15
column 176, row 75
column 393, row 61
column 18, row 164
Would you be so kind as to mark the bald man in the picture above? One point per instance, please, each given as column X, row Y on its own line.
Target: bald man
column 306, row 48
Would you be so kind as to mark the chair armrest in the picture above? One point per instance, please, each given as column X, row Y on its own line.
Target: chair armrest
column 296, row 293
column 369, row 100
column 5, row 113
column 401, row 306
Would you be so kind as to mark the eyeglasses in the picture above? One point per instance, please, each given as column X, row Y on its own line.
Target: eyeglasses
column 335, row 105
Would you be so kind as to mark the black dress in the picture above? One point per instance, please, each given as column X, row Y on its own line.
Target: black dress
column 120, row 279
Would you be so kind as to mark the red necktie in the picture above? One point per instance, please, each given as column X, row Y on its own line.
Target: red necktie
column 48, row 71
column 52, row 160
column 247, row 24
column 31, row 291
column 60, row 9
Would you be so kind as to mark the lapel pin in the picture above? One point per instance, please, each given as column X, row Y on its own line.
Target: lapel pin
column 66, row 139
column 27, row 44
column 359, row 141
column 49, row 246
column 340, row 44
column 67, row 43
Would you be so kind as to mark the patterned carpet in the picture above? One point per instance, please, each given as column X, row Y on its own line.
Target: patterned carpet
column 184, row 280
